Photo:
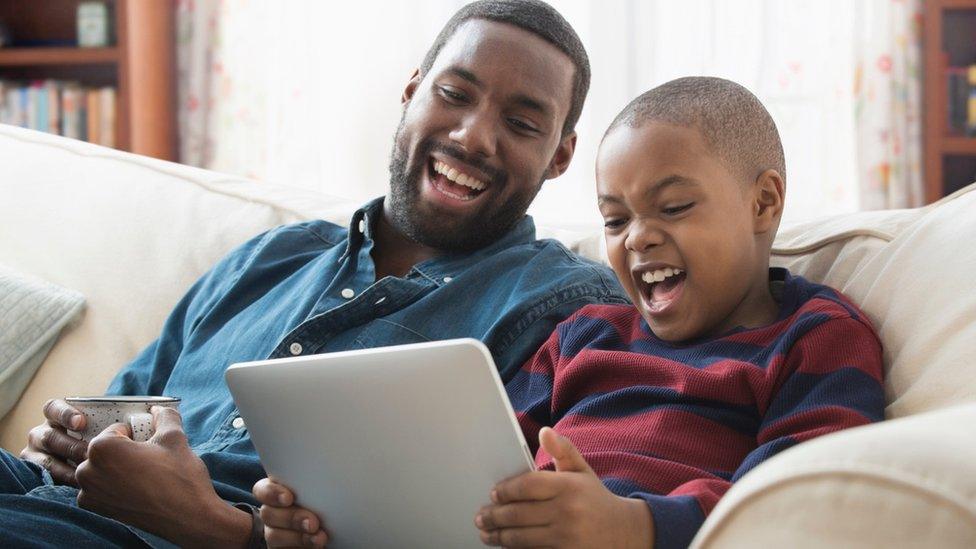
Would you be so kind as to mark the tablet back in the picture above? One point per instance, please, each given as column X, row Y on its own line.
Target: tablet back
column 392, row 447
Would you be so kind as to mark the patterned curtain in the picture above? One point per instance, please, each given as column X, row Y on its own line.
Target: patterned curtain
column 306, row 92
column 888, row 104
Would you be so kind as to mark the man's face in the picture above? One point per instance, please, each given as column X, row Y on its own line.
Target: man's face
column 480, row 133
column 670, row 205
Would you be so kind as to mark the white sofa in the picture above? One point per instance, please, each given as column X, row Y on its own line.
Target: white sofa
column 132, row 234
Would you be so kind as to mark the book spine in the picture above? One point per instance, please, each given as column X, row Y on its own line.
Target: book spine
column 93, row 117
column 107, row 116
column 971, row 101
column 53, row 107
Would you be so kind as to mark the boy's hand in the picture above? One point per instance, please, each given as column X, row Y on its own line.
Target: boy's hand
column 286, row 524
column 566, row 508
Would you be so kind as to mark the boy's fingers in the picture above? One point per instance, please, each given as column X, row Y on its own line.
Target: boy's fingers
column 533, row 536
column 564, row 455
column 269, row 492
column 276, row 537
column 534, row 486
column 514, row 515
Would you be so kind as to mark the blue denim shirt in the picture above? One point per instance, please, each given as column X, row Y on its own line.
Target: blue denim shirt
column 311, row 288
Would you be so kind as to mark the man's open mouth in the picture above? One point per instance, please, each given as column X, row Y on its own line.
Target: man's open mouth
column 660, row 288
column 454, row 182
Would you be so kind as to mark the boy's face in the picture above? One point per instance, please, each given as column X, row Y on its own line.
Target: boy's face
column 670, row 205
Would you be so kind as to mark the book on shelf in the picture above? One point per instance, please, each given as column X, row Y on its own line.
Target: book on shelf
column 61, row 107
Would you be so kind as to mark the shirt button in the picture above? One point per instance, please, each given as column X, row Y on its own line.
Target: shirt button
column 295, row 348
column 362, row 226
column 348, row 293
column 238, row 422
column 448, row 279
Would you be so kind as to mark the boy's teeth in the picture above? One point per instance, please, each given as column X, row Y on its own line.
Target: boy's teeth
column 659, row 275
column 458, row 177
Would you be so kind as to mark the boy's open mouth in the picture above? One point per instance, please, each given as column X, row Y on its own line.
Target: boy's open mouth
column 661, row 288
column 454, row 183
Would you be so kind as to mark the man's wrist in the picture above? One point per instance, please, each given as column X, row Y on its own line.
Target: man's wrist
column 227, row 526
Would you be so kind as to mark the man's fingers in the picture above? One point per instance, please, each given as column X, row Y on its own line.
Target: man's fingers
column 533, row 536
column 59, row 412
column 276, row 537
column 514, row 515
column 534, row 486
column 62, row 472
column 47, row 439
column 168, row 426
column 294, row 518
column 269, row 492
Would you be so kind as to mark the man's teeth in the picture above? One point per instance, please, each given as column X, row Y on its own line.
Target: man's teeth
column 659, row 275
column 458, row 177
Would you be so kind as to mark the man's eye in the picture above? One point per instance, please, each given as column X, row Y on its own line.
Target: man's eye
column 614, row 223
column 522, row 125
column 675, row 210
column 452, row 95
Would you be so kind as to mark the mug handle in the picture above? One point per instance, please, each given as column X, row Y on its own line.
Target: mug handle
column 142, row 426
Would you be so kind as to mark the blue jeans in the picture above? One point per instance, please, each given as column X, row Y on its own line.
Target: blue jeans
column 36, row 513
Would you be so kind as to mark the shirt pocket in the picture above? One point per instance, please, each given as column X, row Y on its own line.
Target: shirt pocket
column 384, row 333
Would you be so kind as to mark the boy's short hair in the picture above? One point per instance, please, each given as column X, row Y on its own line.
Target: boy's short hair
column 533, row 16
column 731, row 120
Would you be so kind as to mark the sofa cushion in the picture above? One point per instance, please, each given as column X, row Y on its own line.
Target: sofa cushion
column 32, row 315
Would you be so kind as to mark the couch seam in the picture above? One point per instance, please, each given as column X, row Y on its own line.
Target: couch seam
column 899, row 478
column 138, row 161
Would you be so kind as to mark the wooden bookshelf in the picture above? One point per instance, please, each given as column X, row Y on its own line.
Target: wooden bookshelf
column 141, row 65
column 949, row 41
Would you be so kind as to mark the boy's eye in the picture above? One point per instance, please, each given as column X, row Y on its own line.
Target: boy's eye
column 675, row 210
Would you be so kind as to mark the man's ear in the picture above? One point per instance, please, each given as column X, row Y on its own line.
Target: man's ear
column 769, row 196
column 411, row 88
column 562, row 157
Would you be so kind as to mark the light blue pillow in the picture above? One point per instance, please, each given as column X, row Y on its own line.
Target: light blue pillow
column 32, row 314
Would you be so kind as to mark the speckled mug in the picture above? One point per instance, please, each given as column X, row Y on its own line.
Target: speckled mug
column 102, row 411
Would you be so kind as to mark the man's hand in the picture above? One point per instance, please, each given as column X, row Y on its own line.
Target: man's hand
column 50, row 446
column 566, row 508
column 159, row 486
column 286, row 524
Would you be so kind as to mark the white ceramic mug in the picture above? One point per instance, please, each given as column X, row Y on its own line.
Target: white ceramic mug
column 102, row 411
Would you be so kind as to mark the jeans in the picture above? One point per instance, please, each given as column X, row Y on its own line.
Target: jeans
column 36, row 513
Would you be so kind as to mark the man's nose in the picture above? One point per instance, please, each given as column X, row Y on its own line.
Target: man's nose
column 643, row 235
column 477, row 134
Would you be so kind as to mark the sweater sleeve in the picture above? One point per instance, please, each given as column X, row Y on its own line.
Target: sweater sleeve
column 831, row 379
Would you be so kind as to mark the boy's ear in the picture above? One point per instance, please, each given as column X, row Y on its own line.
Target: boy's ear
column 562, row 157
column 411, row 88
column 769, row 195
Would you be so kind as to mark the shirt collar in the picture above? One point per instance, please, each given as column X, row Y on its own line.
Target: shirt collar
column 442, row 268
column 361, row 226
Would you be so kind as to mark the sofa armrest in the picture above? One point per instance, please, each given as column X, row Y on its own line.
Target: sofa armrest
column 904, row 482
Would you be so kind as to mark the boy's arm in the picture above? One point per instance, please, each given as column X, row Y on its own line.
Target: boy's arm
column 830, row 380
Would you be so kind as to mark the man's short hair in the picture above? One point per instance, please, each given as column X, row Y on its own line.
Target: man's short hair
column 732, row 121
column 536, row 17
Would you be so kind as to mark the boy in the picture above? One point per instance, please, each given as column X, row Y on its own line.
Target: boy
column 720, row 363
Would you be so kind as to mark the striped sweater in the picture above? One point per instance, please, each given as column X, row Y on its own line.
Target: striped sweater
column 677, row 424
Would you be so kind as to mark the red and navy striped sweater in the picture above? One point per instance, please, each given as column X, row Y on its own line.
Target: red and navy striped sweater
column 677, row 424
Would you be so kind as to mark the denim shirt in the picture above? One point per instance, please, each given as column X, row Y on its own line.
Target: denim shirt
column 311, row 288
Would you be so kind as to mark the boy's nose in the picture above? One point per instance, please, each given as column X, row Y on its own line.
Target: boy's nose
column 643, row 236
column 476, row 133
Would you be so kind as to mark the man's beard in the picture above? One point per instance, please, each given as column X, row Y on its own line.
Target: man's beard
column 416, row 220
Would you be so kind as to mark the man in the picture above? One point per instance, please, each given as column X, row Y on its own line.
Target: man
column 487, row 118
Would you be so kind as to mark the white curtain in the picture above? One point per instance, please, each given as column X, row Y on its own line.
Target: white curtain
column 307, row 92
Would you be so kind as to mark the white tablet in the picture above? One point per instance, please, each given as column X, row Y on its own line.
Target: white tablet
column 392, row 447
